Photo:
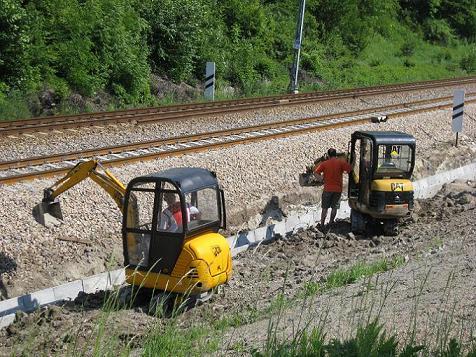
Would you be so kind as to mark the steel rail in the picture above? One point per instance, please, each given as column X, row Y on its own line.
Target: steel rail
column 76, row 155
column 179, row 112
column 208, row 141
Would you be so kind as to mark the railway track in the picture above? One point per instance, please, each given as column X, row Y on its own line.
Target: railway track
column 181, row 112
column 51, row 165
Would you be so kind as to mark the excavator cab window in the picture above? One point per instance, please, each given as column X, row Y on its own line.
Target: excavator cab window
column 203, row 207
column 170, row 218
column 139, row 223
column 394, row 160
column 154, row 231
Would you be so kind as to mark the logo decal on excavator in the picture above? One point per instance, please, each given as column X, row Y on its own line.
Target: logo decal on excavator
column 397, row 186
column 216, row 250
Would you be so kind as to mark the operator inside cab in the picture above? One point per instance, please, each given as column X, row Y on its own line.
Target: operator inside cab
column 171, row 219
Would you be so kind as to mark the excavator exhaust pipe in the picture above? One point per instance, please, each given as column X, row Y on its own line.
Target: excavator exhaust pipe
column 48, row 213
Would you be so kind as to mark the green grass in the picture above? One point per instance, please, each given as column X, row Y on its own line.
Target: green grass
column 401, row 56
column 173, row 341
column 13, row 106
column 358, row 271
column 175, row 336
column 370, row 340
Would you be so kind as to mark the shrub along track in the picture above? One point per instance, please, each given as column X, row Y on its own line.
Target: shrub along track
column 181, row 112
column 50, row 165
column 437, row 245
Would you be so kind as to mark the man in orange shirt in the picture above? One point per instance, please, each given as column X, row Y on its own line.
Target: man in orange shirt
column 332, row 169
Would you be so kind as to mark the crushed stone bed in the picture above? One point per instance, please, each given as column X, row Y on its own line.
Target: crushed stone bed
column 88, row 138
column 34, row 257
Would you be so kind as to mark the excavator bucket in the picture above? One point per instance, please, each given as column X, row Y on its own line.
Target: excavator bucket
column 48, row 213
column 309, row 179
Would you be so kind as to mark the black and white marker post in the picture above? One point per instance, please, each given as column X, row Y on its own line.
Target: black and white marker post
column 458, row 106
column 210, row 81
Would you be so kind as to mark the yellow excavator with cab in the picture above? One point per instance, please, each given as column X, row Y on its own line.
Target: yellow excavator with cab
column 380, row 190
column 380, row 187
column 170, row 226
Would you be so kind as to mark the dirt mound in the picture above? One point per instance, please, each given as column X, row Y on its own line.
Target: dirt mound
column 182, row 92
column 453, row 198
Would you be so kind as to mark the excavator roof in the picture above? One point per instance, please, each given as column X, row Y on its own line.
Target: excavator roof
column 187, row 178
column 388, row 137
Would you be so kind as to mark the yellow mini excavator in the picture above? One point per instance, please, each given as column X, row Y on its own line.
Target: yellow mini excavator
column 169, row 229
column 380, row 190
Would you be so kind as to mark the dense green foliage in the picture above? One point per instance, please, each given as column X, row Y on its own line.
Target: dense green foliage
column 116, row 47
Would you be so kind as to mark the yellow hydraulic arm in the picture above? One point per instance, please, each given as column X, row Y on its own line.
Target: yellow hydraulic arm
column 80, row 172
column 48, row 212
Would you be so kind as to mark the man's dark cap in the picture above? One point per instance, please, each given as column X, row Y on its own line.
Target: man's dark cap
column 332, row 152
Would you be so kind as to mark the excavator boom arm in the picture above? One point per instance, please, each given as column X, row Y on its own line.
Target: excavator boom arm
column 82, row 171
column 49, row 210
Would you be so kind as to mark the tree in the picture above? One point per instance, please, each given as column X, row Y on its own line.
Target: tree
column 14, row 43
column 174, row 34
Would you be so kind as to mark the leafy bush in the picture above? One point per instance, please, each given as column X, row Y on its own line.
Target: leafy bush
column 438, row 31
column 408, row 63
column 14, row 43
column 175, row 32
column 375, row 62
column 468, row 62
column 408, row 48
column 12, row 104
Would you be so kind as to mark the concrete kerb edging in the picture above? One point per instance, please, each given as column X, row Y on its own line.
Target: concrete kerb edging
column 240, row 242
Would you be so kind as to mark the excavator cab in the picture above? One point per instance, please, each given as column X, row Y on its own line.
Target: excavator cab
column 380, row 189
column 170, row 237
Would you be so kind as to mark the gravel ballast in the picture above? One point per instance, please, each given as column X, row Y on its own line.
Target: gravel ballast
column 29, row 145
column 34, row 257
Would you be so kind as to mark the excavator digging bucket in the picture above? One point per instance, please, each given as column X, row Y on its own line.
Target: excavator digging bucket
column 48, row 213
column 309, row 179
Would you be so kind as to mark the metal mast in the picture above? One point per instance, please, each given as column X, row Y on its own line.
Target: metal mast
column 297, row 48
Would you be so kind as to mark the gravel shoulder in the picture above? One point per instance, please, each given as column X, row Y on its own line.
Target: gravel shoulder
column 34, row 257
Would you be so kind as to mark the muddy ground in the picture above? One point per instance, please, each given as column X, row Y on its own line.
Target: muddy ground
column 437, row 248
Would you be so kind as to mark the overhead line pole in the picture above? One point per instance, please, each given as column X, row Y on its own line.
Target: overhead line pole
column 297, row 48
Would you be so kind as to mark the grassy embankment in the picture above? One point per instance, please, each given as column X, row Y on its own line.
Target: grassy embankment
column 400, row 57
column 172, row 336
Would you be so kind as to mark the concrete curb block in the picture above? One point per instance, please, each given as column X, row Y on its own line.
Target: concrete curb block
column 240, row 242
column 429, row 186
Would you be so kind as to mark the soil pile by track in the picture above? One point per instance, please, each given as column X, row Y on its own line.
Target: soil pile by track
column 441, row 230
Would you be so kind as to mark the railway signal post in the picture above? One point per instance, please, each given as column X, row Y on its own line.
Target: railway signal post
column 210, row 81
column 458, row 106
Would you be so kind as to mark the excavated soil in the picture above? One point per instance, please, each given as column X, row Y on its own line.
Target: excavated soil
column 437, row 247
